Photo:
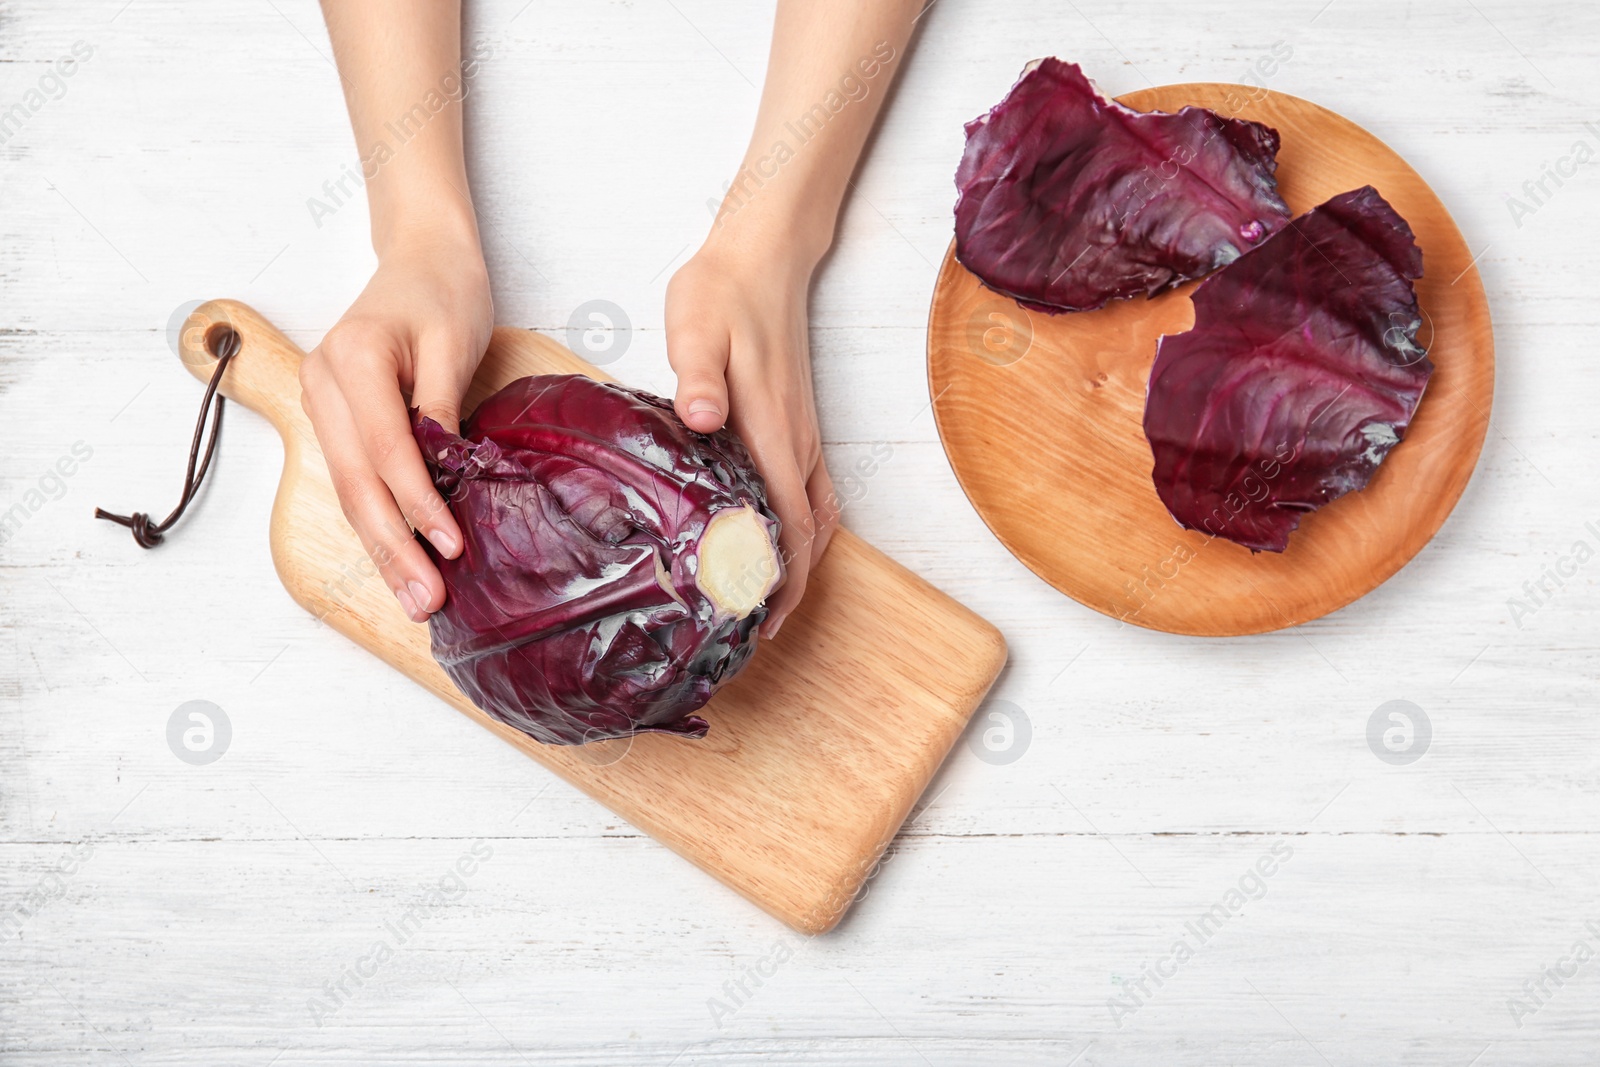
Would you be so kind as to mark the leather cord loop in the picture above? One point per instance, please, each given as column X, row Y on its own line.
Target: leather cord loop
column 223, row 343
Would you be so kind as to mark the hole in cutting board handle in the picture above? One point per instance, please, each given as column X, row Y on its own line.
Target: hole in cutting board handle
column 223, row 340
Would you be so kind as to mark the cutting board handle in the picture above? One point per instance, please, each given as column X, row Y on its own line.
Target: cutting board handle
column 265, row 374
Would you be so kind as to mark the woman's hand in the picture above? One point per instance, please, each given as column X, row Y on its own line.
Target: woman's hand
column 418, row 331
column 736, row 312
column 737, row 338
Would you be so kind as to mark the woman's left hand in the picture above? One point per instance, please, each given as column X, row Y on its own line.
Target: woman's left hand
column 738, row 341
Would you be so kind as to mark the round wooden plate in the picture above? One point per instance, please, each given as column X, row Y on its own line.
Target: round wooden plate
column 1041, row 415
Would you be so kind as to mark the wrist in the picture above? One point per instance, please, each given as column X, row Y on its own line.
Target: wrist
column 770, row 233
column 777, row 210
column 442, row 224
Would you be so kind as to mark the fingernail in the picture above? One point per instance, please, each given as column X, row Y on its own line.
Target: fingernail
column 703, row 407
column 772, row 633
column 408, row 605
column 444, row 541
column 419, row 596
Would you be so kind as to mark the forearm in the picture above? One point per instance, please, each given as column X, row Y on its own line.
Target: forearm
column 400, row 61
column 831, row 66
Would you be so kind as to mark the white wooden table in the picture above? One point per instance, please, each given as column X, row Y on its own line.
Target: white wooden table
column 156, row 912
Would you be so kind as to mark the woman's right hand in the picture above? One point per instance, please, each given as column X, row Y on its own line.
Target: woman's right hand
column 414, row 337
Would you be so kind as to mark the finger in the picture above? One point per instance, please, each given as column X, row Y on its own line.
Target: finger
column 825, row 510
column 444, row 370
column 803, row 542
column 445, row 366
column 787, row 494
column 367, row 502
column 366, row 366
column 701, row 362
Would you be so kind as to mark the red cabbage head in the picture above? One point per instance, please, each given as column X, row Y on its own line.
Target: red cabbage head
column 616, row 563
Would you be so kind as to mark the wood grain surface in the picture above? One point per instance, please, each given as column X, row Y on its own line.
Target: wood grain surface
column 818, row 749
column 1042, row 415
column 1027, row 889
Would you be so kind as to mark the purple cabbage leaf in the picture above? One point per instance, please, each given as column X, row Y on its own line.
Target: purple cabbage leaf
column 1300, row 374
column 1068, row 200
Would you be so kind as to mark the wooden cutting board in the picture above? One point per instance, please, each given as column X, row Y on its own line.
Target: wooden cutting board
column 1042, row 415
column 816, row 752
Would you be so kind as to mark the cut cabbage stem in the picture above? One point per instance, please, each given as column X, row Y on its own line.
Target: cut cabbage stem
column 738, row 564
